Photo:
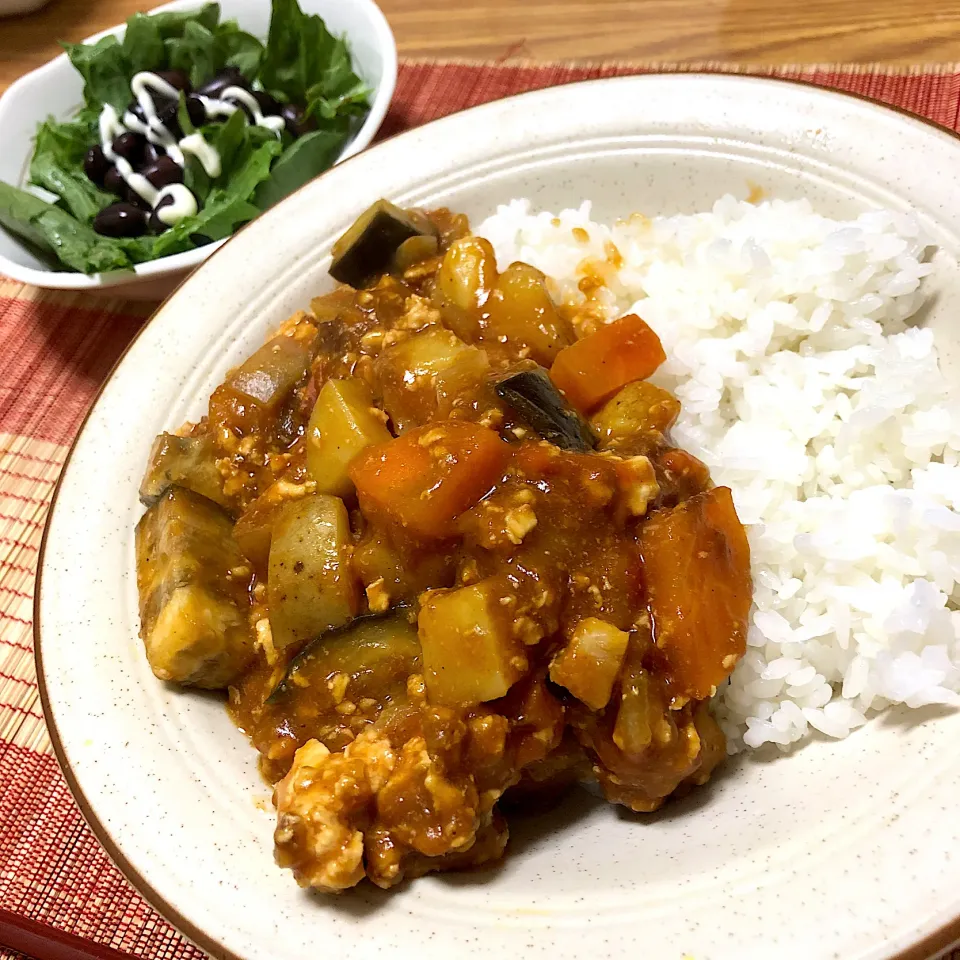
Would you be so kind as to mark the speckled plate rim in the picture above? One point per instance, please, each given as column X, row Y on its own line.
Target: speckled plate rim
column 932, row 943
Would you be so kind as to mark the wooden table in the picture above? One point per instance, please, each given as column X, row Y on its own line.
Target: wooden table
column 745, row 31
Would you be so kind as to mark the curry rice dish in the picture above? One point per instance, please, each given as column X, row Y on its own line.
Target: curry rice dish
column 435, row 541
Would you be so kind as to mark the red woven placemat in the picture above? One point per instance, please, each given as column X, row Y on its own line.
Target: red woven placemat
column 55, row 349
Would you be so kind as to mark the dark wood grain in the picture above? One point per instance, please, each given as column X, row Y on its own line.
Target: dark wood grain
column 43, row 942
column 743, row 31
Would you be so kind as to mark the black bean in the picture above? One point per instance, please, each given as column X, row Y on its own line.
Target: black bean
column 196, row 110
column 166, row 111
column 167, row 115
column 155, row 223
column 131, row 196
column 151, row 154
column 176, row 78
column 269, row 106
column 96, row 164
column 130, row 146
column 112, row 181
column 163, row 172
column 227, row 77
column 297, row 124
column 121, row 220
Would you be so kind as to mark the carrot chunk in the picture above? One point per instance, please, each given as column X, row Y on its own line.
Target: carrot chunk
column 427, row 477
column 696, row 562
column 595, row 368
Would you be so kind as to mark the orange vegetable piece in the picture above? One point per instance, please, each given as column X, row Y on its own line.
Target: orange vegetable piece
column 428, row 476
column 595, row 368
column 697, row 569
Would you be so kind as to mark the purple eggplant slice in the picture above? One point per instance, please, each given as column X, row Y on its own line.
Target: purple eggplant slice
column 367, row 249
column 533, row 397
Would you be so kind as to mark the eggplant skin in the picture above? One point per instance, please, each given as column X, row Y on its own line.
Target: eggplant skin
column 185, row 461
column 533, row 397
column 193, row 584
column 367, row 249
column 364, row 645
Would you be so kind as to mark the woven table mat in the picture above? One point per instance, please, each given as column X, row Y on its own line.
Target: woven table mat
column 55, row 350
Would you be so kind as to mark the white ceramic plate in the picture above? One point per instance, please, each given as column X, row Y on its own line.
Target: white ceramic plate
column 56, row 88
column 847, row 850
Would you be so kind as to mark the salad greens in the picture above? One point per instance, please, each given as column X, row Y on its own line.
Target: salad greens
column 301, row 63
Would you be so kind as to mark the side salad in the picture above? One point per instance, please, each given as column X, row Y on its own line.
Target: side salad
column 190, row 128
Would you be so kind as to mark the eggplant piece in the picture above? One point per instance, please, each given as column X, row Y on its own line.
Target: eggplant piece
column 254, row 530
column 377, row 652
column 193, row 583
column 267, row 376
column 532, row 395
column 368, row 248
column 186, row 462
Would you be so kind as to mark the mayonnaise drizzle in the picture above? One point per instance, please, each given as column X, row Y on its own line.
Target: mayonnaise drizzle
column 184, row 204
column 209, row 157
column 227, row 105
column 110, row 129
column 143, row 86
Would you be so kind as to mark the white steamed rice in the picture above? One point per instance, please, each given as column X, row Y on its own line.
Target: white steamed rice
column 807, row 391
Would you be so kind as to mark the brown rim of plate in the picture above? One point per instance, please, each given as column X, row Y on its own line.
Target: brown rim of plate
column 930, row 946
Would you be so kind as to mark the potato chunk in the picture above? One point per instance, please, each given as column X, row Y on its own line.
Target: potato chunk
column 521, row 310
column 588, row 665
column 343, row 423
column 640, row 414
column 310, row 587
column 464, row 282
column 193, row 584
column 697, row 568
column 470, row 654
column 408, row 373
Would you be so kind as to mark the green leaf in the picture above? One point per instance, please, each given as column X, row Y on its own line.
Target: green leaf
column 243, row 50
column 143, row 44
column 57, row 165
column 105, row 70
column 75, row 244
column 304, row 63
column 172, row 24
column 199, row 52
column 78, row 246
column 183, row 116
column 227, row 138
column 108, row 65
column 300, row 162
column 253, row 171
column 17, row 211
column 195, row 179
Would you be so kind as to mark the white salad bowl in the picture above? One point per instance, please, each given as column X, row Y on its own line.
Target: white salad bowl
column 57, row 89
column 845, row 849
